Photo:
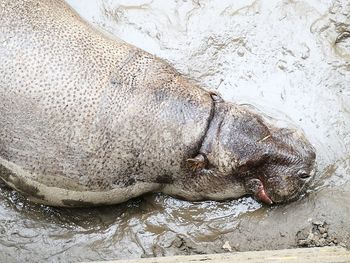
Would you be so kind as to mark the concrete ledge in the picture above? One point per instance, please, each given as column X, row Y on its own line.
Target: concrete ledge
column 307, row 255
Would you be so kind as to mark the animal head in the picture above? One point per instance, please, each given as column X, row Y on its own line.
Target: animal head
column 273, row 164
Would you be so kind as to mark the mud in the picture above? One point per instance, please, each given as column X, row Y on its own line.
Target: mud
column 289, row 59
column 316, row 236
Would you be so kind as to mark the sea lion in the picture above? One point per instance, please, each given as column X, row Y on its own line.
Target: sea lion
column 87, row 119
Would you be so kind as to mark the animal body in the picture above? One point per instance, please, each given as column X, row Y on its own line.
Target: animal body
column 87, row 119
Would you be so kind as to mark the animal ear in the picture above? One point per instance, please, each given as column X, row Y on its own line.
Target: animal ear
column 198, row 162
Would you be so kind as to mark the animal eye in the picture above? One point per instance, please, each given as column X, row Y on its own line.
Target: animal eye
column 304, row 175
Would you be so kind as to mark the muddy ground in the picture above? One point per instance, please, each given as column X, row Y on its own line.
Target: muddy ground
column 290, row 59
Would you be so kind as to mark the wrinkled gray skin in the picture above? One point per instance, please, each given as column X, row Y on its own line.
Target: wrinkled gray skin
column 86, row 119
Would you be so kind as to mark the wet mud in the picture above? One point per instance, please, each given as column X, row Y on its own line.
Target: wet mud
column 289, row 59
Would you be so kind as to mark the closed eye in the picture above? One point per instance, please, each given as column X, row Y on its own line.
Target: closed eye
column 304, row 175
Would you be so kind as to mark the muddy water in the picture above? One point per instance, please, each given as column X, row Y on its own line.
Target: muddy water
column 290, row 59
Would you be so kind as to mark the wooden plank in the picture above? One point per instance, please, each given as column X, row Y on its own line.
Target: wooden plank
column 307, row 255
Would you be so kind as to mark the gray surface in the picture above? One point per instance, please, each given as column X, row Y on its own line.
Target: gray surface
column 280, row 57
column 305, row 255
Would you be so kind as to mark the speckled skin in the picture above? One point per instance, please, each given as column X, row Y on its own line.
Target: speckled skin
column 87, row 119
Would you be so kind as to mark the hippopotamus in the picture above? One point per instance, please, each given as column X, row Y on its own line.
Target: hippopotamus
column 87, row 119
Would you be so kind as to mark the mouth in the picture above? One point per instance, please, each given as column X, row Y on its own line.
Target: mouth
column 256, row 187
column 262, row 196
